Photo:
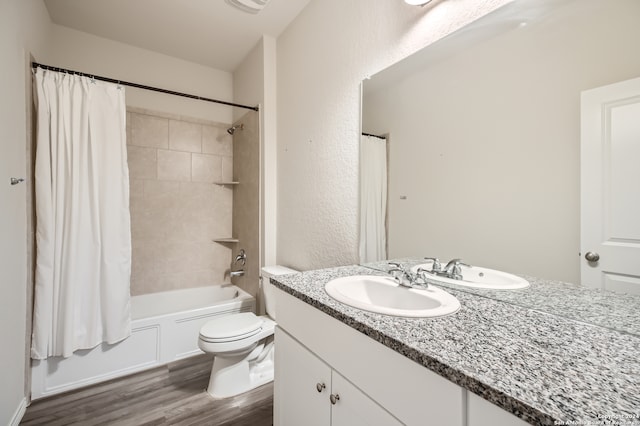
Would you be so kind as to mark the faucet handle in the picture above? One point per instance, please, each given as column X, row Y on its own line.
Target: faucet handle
column 437, row 266
column 453, row 268
column 396, row 266
column 454, row 263
column 421, row 277
column 397, row 273
column 241, row 258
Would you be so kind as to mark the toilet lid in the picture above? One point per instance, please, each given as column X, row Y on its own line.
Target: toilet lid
column 231, row 326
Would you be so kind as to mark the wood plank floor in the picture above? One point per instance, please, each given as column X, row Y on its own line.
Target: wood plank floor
column 168, row 395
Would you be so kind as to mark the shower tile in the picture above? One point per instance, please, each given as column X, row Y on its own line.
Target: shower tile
column 142, row 266
column 206, row 168
column 136, row 188
column 216, row 140
column 198, row 228
column 158, row 189
column 183, row 257
column 175, row 256
column 199, row 197
column 144, row 228
column 176, row 211
column 221, row 261
column 222, row 214
column 185, row 136
column 227, row 168
column 142, row 162
column 174, row 165
column 136, row 196
column 205, row 277
column 128, row 127
column 150, row 131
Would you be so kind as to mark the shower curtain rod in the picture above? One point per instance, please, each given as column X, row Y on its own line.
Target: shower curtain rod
column 373, row 136
column 141, row 86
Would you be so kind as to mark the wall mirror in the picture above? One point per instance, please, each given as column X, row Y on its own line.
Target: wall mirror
column 482, row 136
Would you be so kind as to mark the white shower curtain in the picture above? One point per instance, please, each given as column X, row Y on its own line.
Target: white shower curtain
column 373, row 198
column 83, row 233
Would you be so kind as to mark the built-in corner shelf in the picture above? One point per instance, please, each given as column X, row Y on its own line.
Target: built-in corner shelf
column 226, row 183
column 226, row 240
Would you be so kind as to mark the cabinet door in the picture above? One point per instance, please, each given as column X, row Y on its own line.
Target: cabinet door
column 298, row 372
column 484, row 413
column 354, row 408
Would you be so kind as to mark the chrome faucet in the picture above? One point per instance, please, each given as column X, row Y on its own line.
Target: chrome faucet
column 406, row 278
column 437, row 266
column 241, row 258
column 451, row 270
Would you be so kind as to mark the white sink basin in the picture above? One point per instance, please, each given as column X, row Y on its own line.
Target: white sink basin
column 478, row 277
column 385, row 296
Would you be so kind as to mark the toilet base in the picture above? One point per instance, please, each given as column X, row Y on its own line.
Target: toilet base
column 237, row 374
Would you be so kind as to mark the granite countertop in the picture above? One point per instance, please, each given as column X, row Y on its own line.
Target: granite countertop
column 595, row 306
column 541, row 367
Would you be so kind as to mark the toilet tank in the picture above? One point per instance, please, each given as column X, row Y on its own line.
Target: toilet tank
column 268, row 288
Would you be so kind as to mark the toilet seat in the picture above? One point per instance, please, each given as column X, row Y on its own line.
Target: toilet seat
column 231, row 328
column 234, row 334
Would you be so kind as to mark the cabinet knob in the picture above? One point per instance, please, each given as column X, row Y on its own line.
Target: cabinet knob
column 334, row 398
column 320, row 387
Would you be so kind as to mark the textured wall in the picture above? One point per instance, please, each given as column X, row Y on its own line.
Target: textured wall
column 86, row 52
column 176, row 209
column 322, row 58
column 24, row 27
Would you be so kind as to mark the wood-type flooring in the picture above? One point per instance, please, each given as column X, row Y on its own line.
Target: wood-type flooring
column 170, row 395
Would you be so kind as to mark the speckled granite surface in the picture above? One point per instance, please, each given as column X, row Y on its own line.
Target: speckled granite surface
column 593, row 306
column 543, row 368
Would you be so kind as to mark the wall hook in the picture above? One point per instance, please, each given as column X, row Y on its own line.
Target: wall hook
column 15, row 181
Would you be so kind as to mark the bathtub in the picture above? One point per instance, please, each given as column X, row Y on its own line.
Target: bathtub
column 164, row 328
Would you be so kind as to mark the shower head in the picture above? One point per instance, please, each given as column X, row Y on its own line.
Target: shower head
column 231, row 130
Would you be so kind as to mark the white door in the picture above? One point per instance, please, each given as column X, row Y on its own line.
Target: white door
column 610, row 187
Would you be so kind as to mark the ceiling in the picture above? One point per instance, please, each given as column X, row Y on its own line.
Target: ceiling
column 208, row 32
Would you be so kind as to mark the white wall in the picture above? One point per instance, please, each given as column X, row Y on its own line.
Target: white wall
column 84, row 52
column 24, row 27
column 322, row 57
column 248, row 80
column 485, row 145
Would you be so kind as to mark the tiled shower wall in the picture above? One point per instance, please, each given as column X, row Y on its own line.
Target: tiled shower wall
column 176, row 209
column 246, row 199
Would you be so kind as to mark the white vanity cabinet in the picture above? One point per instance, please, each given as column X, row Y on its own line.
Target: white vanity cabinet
column 376, row 385
column 309, row 392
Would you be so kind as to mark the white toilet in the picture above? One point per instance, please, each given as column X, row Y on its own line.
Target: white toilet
column 242, row 344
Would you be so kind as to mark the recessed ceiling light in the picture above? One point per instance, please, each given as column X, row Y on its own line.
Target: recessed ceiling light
column 417, row 2
column 249, row 6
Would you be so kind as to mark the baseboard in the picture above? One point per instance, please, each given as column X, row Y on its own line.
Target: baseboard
column 19, row 414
